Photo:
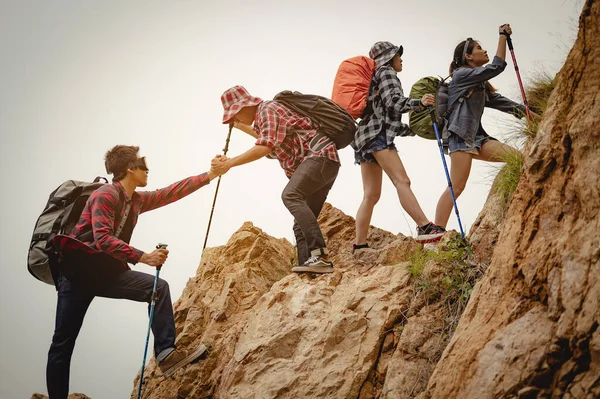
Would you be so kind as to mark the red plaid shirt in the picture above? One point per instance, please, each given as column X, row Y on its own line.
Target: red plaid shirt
column 292, row 137
column 99, row 214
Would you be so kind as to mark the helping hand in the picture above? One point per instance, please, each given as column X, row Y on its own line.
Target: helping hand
column 219, row 165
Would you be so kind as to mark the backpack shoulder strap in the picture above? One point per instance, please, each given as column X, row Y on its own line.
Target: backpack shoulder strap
column 462, row 98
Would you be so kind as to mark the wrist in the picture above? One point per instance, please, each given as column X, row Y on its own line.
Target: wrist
column 211, row 175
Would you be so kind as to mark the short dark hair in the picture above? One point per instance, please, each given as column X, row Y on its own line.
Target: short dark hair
column 118, row 159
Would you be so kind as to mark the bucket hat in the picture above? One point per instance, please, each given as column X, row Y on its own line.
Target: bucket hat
column 234, row 99
column 382, row 52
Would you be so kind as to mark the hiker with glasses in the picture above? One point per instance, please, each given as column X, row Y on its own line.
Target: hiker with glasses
column 309, row 160
column 467, row 140
column 93, row 262
column 374, row 146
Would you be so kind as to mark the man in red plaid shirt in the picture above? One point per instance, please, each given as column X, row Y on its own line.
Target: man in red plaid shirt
column 93, row 262
column 310, row 160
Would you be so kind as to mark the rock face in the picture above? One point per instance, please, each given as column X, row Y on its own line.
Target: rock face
column 531, row 327
column 485, row 231
column 279, row 334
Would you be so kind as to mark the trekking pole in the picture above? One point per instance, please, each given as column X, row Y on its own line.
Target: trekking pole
column 152, row 304
column 512, row 53
column 217, row 190
column 440, row 145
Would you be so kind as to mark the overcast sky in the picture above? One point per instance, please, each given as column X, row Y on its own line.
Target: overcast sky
column 79, row 77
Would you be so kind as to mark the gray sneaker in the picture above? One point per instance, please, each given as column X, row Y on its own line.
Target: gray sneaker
column 314, row 264
column 179, row 358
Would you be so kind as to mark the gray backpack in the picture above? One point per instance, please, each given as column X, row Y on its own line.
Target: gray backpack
column 61, row 214
column 334, row 122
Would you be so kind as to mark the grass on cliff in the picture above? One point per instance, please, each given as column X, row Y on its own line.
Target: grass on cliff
column 445, row 277
column 453, row 288
column 538, row 92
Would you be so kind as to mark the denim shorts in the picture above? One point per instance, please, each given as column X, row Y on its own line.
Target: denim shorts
column 456, row 143
column 378, row 143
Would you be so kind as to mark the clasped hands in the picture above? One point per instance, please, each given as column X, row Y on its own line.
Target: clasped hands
column 220, row 165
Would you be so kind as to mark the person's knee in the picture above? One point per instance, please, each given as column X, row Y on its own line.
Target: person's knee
column 400, row 181
column 289, row 197
column 372, row 198
column 459, row 188
column 63, row 343
column 162, row 285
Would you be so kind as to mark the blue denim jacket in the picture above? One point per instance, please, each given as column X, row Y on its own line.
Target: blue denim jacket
column 465, row 119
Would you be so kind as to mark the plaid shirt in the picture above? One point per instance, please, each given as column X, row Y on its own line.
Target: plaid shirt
column 388, row 104
column 99, row 215
column 292, row 137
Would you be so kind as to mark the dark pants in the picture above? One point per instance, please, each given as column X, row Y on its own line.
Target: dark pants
column 74, row 298
column 304, row 196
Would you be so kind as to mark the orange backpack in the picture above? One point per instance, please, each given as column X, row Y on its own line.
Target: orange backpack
column 352, row 83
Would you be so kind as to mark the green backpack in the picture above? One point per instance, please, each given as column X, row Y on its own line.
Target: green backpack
column 420, row 122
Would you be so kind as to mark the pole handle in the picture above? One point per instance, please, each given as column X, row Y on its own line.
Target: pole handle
column 160, row 245
column 509, row 42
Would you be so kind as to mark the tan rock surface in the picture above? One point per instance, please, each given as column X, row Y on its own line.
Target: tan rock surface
column 486, row 229
column 278, row 334
column 531, row 326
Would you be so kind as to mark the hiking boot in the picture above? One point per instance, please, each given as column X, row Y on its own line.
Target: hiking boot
column 179, row 358
column 315, row 264
column 429, row 233
column 357, row 247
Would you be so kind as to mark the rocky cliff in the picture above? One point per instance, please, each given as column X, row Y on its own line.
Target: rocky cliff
column 530, row 329
column 365, row 331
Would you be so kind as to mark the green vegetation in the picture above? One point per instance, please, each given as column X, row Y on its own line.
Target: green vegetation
column 539, row 90
column 451, row 281
column 538, row 93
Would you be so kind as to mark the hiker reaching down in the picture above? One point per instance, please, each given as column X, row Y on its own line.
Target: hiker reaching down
column 309, row 160
column 93, row 262
column 467, row 140
column 374, row 146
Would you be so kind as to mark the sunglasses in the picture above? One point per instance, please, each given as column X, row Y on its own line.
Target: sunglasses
column 464, row 53
column 140, row 163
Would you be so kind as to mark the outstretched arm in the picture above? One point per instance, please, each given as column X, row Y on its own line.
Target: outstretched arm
column 222, row 164
column 501, row 103
column 176, row 191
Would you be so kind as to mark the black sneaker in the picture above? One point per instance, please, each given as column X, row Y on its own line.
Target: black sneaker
column 429, row 233
column 315, row 264
column 357, row 247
